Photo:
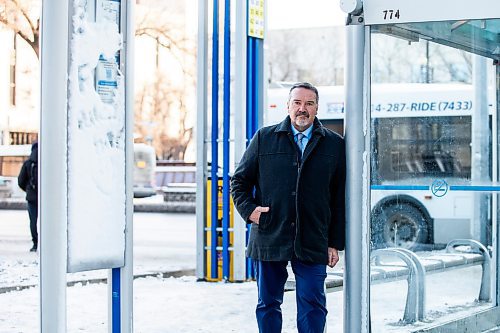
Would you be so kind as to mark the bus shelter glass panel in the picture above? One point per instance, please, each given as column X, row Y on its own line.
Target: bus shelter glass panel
column 433, row 162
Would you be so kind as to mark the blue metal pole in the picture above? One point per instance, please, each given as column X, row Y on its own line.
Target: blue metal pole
column 254, row 100
column 225, row 168
column 251, row 127
column 258, row 86
column 115, row 300
column 250, row 90
column 215, row 136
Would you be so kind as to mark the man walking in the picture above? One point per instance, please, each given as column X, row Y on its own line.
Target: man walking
column 28, row 182
column 290, row 185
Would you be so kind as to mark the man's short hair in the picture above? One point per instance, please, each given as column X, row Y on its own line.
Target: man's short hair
column 305, row 85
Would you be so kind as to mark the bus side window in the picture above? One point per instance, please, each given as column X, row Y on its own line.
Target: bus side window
column 190, row 177
column 160, row 179
column 169, row 177
column 178, row 177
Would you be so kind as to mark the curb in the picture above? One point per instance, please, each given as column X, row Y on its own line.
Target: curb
column 13, row 205
column 167, row 207
column 163, row 275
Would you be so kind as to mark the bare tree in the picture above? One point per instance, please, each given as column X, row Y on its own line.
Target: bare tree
column 169, row 36
column 162, row 112
column 21, row 16
column 314, row 54
column 395, row 60
column 454, row 65
column 282, row 66
column 162, row 118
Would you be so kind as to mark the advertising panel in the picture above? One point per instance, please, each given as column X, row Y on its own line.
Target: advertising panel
column 96, row 139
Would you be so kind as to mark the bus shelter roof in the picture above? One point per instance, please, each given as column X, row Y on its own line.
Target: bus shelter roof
column 476, row 36
column 473, row 26
column 378, row 11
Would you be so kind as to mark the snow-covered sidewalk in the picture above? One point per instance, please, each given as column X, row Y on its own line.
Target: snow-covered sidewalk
column 166, row 242
column 160, row 305
column 175, row 305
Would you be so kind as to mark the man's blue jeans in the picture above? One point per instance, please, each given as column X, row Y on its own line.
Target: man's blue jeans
column 310, row 295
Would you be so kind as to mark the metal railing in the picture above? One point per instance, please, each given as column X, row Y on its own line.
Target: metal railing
column 459, row 253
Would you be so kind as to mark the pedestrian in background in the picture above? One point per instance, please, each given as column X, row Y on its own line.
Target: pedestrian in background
column 28, row 182
column 290, row 185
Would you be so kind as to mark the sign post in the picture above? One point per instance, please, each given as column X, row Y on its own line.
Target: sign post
column 53, row 168
column 86, row 154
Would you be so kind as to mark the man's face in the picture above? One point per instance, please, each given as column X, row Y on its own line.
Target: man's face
column 302, row 108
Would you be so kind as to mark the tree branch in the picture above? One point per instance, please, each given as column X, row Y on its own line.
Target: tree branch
column 26, row 16
column 10, row 13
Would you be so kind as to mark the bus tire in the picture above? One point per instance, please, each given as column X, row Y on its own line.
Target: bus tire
column 399, row 225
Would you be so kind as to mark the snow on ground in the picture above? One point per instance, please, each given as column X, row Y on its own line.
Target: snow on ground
column 184, row 305
column 164, row 242
column 160, row 306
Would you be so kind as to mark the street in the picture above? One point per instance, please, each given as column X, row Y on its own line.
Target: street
column 162, row 242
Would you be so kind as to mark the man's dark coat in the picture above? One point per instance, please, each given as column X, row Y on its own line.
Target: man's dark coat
column 306, row 199
column 26, row 180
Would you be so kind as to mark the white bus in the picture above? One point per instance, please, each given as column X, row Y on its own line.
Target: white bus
column 421, row 134
column 13, row 156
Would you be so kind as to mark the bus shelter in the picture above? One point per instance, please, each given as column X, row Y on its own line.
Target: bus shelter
column 424, row 172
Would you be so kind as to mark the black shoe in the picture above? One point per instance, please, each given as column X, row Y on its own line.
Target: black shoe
column 34, row 248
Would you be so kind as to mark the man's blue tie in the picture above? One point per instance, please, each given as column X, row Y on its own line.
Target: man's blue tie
column 300, row 144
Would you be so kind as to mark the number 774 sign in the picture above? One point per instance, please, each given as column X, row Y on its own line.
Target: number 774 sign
column 397, row 11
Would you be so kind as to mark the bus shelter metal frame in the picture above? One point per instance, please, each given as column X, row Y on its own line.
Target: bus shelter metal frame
column 357, row 134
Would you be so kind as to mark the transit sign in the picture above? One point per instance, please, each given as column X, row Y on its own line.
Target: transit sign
column 397, row 11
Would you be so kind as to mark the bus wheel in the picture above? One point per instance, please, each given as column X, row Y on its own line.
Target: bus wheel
column 399, row 225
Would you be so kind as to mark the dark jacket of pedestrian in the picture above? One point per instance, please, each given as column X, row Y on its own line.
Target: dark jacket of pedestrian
column 306, row 198
column 28, row 176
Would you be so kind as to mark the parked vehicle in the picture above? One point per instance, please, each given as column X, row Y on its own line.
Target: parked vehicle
column 144, row 170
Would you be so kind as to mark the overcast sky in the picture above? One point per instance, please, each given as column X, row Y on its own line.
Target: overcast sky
column 284, row 14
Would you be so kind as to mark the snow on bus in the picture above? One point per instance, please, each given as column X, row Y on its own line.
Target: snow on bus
column 421, row 133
